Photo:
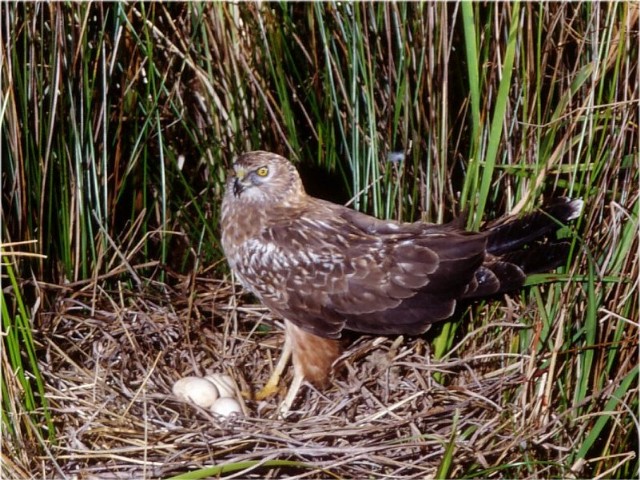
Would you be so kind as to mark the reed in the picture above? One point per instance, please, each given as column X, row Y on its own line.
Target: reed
column 119, row 121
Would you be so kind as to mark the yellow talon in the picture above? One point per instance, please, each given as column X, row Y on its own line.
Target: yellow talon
column 270, row 389
column 272, row 386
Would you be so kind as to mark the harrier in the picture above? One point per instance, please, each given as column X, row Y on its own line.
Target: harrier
column 325, row 268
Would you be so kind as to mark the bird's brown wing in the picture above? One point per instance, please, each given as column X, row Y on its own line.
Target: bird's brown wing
column 329, row 270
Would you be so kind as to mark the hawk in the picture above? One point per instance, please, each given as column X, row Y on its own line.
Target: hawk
column 325, row 268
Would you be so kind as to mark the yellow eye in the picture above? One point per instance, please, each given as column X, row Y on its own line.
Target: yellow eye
column 262, row 171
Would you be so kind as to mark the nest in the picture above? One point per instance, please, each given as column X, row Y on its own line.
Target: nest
column 111, row 358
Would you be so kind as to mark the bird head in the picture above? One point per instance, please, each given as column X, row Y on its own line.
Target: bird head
column 262, row 176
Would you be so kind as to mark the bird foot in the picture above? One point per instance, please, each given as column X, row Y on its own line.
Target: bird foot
column 294, row 388
column 272, row 386
column 270, row 389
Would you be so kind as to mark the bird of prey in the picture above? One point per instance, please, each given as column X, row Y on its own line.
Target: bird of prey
column 325, row 268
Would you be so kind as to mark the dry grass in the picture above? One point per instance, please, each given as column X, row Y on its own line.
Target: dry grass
column 118, row 123
column 111, row 357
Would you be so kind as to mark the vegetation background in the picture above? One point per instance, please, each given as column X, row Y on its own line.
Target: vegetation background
column 118, row 123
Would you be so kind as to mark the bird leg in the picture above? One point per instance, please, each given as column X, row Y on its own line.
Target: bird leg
column 296, row 383
column 312, row 360
column 271, row 386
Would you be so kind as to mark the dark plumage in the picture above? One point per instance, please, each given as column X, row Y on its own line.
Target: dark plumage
column 325, row 268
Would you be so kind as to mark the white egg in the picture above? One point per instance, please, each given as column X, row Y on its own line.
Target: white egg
column 226, row 406
column 196, row 390
column 224, row 383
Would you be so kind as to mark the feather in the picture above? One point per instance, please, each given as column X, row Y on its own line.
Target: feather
column 326, row 268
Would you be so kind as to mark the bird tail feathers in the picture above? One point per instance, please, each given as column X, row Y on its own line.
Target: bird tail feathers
column 518, row 247
column 513, row 233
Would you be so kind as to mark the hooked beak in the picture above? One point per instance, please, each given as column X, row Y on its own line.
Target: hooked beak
column 238, row 184
column 238, row 187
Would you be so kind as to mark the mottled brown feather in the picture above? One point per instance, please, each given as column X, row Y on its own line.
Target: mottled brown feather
column 312, row 355
column 325, row 268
